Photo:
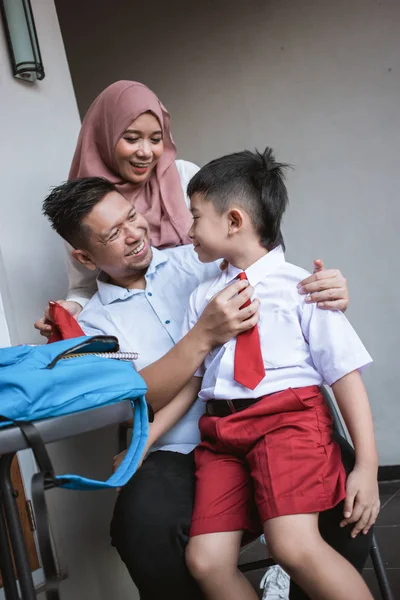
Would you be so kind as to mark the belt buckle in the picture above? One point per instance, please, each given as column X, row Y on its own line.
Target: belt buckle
column 231, row 406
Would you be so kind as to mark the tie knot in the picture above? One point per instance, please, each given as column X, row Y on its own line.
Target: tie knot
column 242, row 275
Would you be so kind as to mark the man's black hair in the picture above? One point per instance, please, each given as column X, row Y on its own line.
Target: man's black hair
column 253, row 180
column 68, row 204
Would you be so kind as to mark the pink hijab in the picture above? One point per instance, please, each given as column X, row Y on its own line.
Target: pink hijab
column 161, row 199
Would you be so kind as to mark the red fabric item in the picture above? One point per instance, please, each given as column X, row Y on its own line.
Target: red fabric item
column 249, row 365
column 275, row 458
column 65, row 326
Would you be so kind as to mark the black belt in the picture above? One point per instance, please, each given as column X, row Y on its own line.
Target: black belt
column 223, row 408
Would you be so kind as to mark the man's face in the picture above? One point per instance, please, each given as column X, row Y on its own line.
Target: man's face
column 118, row 238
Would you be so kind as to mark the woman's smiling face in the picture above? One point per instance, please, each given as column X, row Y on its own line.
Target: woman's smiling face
column 139, row 149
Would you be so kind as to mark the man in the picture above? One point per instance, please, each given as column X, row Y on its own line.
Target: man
column 142, row 296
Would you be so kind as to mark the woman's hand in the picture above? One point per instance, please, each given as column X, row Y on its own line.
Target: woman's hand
column 44, row 324
column 362, row 502
column 326, row 287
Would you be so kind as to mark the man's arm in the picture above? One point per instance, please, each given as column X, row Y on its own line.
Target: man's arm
column 221, row 321
column 362, row 501
column 167, row 417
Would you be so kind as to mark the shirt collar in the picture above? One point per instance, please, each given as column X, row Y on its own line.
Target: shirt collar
column 259, row 270
column 110, row 292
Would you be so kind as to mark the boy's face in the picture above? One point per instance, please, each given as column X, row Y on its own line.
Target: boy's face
column 209, row 230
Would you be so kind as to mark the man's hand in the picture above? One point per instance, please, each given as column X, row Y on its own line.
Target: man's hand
column 223, row 318
column 362, row 502
column 44, row 324
column 327, row 287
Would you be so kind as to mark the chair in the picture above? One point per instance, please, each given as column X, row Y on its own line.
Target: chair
column 12, row 544
column 376, row 557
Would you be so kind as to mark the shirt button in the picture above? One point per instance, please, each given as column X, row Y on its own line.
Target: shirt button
column 167, row 322
column 149, row 294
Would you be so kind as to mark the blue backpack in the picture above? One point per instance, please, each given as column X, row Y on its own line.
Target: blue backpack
column 39, row 382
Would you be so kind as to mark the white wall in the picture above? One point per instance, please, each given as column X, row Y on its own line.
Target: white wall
column 5, row 337
column 39, row 125
column 320, row 82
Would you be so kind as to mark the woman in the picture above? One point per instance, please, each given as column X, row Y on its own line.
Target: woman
column 126, row 138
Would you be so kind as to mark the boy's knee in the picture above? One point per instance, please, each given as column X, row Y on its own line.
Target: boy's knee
column 197, row 560
column 290, row 556
column 202, row 562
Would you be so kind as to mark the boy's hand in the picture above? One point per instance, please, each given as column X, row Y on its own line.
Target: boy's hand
column 327, row 287
column 117, row 460
column 362, row 503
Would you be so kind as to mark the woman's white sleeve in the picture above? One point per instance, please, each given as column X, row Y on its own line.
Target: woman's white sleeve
column 81, row 281
column 186, row 171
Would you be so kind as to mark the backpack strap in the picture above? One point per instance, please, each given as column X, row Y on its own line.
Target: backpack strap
column 35, row 442
column 39, row 485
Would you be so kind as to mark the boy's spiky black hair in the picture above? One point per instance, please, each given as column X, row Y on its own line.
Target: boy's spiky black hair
column 255, row 181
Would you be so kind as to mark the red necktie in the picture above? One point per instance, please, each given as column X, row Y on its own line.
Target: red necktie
column 249, row 366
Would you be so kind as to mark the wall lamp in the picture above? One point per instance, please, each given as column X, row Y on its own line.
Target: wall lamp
column 22, row 39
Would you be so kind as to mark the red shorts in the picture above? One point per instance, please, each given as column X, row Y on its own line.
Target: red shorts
column 275, row 458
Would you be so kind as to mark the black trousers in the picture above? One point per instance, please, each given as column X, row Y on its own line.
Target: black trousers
column 151, row 521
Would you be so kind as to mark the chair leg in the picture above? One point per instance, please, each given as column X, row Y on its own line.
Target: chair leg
column 380, row 571
column 264, row 563
column 6, row 563
column 15, row 529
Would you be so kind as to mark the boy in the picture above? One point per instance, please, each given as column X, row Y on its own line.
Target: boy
column 267, row 458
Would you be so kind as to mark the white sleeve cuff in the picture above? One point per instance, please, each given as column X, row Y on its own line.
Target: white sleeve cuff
column 82, row 300
column 357, row 363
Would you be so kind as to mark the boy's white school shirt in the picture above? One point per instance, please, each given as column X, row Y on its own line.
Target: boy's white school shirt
column 301, row 344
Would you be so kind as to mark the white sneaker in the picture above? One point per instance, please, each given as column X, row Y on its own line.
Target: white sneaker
column 276, row 584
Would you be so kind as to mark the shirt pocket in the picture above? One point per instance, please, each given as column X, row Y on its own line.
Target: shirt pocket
column 217, row 352
column 282, row 340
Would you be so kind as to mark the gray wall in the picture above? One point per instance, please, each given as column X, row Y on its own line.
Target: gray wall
column 320, row 82
column 39, row 125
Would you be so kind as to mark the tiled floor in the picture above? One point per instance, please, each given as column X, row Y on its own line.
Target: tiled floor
column 387, row 531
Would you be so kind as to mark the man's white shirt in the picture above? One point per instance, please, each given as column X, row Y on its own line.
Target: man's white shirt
column 150, row 321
